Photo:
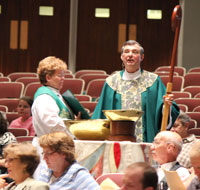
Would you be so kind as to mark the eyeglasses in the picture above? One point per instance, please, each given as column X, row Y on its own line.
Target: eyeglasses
column 48, row 153
column 9, row 160
column 62, row 74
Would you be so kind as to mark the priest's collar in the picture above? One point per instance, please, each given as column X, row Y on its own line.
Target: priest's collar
column 131, row 76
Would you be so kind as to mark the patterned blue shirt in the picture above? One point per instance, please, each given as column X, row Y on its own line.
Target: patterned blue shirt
column 74, row 178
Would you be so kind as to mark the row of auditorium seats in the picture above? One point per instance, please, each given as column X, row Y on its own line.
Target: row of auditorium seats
column 21, row 134
column 82, row 83
column 181, row 71
column 18, row 89
column 14, row 76
column 26, row 84
column 186, row 90
column 78, row 87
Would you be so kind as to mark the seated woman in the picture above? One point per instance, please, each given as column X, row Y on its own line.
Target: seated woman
column 21, row 160
column 63, row 172
column 5, row 138
column 25, row 119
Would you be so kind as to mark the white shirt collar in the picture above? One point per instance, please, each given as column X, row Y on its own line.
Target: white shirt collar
column 56, row 91
column 131, row 76
column 168, row 165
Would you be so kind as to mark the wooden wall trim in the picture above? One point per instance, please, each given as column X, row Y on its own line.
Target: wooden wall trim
column 132, row 32
column 14, row 34
column 121, row 36
column 24, row 35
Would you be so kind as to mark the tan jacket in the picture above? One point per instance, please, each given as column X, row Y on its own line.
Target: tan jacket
column 28, row 184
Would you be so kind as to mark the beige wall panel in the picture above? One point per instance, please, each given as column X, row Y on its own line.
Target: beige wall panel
column 24, row 35
column 121, row 35
column 13, row 34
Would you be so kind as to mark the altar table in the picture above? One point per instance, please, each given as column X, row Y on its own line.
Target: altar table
column 101, row 157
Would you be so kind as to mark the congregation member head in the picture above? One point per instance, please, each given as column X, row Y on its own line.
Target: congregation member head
column 165, row 149
column 25, row 117
column 51, row 72
column 194, row 181
column 140, row 176
column 181, row 126
column 62, row 170
column 21, row 160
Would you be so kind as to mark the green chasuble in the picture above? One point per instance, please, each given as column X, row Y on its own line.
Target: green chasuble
column 145, row 93
column 64, row 111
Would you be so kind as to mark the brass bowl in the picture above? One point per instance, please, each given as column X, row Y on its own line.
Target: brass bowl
column 89, row 129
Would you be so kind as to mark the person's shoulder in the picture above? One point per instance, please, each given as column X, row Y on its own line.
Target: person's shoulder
column 34, row 182
column 7, row 135
column 77, row 166
column 114, row 77
column 194, row 184
column 15, row 121
column 44, row 99
column 148, row 73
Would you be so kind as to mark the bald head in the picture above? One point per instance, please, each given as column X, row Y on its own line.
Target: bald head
column 166, row 147
column 171, row 137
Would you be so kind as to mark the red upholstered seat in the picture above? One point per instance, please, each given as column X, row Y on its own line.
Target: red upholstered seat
column 178, row 82
column 11, row 89
column 19, row 131
column 82, row 72
column 192, row 89
column 31, row 88
column 183, row 107
column 194, row 70
column 16, row 75
column 195, row 131
column 192, row 79
column 195, row 116
column 180, row 70
column 5, row 79
column 190, row 102
column 11, row 116
column 94, row 87
column 179, row 94
column 197, row 95
column 74, row 84
column 83, row 97
column 196, row 109
column 27, row 80
column 24, row 138
column 89, row 77
column 3, row 108
column 192, row 124
column 89, row 105
column 10, row 103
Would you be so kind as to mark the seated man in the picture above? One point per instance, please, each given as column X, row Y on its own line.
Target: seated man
column 181, row 127
column 165, row 149
column 195, row 162
column 140, row 176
